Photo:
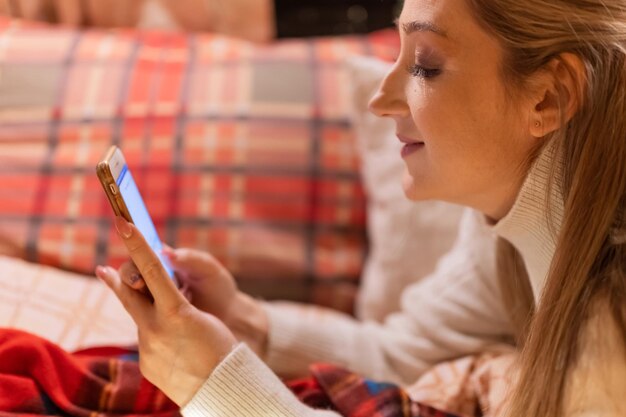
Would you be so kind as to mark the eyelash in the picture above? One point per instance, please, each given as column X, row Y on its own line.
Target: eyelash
column 423, row 72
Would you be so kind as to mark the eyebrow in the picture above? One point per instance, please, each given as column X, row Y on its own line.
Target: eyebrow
column 417, row 26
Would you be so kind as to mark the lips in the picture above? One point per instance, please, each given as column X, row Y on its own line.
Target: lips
column 410, row 148
column 409, row 141
column 410, row 145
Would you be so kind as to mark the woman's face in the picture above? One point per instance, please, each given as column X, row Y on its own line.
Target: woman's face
column 446, row 92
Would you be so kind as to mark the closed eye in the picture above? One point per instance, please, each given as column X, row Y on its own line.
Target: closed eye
column 423, row 72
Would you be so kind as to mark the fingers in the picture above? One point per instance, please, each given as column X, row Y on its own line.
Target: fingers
column 147, row 262
column 135, row 303
column 131, row 276
column 192, row 261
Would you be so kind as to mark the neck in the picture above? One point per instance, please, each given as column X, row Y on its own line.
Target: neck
column 509, row 197
column 500, row 202
column 534, row 220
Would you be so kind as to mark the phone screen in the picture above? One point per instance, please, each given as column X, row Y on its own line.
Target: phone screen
column 139, row 214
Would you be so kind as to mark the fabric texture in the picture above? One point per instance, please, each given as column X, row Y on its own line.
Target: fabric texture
column 352, row 395
column 242, row 385
column 333, row 392
column 534, row 232
column 474, row 385
column 39, row 378
column 245, row 151
column 71, row 310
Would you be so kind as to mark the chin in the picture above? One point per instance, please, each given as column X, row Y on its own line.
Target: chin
column 413, row 195
column 413, row 191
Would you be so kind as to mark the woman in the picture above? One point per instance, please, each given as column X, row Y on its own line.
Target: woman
column 516, row 109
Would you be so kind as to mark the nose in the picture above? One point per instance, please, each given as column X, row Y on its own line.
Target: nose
column 390, row 99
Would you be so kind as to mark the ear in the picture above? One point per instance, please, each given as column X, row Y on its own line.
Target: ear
column 561, row 86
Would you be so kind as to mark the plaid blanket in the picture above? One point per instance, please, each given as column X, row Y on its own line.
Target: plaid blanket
column 39, row 378
column 335, row 388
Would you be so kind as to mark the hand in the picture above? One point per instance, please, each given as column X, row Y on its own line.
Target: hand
column 179, row 346
column 213, row 289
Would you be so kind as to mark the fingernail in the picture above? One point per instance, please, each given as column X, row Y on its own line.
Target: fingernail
column 101, row 272
column 123, row 227
column 134, row 278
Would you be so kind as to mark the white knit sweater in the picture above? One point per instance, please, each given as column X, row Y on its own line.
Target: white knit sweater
column 454, row 312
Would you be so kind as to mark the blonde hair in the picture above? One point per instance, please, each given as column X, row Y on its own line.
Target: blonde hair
column 589, row 266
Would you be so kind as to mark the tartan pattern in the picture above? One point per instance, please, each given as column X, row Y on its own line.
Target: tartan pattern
column 39, row 378
column 335, row 388
column 246, row 151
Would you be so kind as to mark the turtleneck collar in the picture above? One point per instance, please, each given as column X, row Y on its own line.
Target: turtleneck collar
column 526, row 226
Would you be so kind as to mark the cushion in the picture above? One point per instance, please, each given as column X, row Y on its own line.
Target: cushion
column 242, row 150
column 71, row 310
column 406, row 238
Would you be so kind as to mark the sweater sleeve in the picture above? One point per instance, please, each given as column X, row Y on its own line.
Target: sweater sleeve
column 243, row 386
column 455, row 311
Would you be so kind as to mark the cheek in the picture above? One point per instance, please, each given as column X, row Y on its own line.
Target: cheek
column 466, row 129
column 446, row 119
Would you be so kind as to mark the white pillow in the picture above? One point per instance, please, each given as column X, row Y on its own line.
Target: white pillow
column 71, row 310
column 406, row 238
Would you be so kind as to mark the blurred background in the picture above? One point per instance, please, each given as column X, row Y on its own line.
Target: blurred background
column 258, row 20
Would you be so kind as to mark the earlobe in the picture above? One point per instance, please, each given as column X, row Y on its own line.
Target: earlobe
column 537, row 129
column 563, row 82
column 545, row 117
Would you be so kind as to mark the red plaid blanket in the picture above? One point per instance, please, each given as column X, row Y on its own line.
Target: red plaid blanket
column 331, row 387
column 39, row 378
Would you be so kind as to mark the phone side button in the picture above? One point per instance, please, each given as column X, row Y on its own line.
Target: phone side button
column 113, row 189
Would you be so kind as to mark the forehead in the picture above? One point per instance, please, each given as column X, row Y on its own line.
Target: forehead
column 450, row 21
column 453, row 18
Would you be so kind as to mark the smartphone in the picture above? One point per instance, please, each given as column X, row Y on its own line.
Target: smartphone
column 124, row 196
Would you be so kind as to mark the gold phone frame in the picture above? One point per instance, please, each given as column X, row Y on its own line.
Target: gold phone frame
column 105, row 171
